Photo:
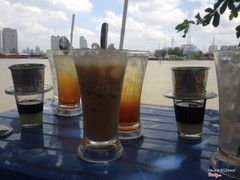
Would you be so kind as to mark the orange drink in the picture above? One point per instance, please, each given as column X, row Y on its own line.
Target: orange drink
column 129, row 108
column 67, row 82
column 129, row 118
column 68, row 86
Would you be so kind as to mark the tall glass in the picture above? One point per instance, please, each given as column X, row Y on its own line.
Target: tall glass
column 100, row 73
column 68, row 86
column 54, row 80
column 130, row 126
column 227, row 156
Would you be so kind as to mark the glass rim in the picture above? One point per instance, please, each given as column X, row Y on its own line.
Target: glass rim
column 27, row 66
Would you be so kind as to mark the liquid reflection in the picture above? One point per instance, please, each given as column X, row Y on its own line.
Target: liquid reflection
column 31, row 146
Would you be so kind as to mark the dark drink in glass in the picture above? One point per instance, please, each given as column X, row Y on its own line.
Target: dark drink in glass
column 189, row 115
column 30, row 109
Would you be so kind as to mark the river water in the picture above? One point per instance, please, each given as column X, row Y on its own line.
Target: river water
column 158, row 80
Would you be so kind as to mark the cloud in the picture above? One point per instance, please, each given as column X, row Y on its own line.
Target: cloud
column 74, row 5
column 138, row 34
column 156, row 12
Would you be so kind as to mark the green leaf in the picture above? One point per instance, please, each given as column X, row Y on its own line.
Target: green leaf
column 199, row 19
column 230, row 17
column 217, row 4
column 191, row 22
column 235, row 12
column 223, row 7
column 238, row 34
column 179, row 27
column 207, row 19
column 198, row 16
column 231, row 5
column 209, row 10
column 216, row 19
column 238, row 28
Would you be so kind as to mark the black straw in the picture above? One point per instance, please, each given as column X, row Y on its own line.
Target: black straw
column 104, row 35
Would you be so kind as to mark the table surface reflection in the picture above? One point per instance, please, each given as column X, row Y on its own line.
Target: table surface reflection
column 50, row 151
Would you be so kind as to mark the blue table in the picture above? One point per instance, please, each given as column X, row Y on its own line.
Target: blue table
column 50, row 151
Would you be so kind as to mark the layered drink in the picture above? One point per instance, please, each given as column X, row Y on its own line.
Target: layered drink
column 67, row 83
column 30, row 112
column 129, row 118
column 68, row 87
column 189, row 116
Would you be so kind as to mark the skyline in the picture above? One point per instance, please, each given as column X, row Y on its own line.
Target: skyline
column 150, row 25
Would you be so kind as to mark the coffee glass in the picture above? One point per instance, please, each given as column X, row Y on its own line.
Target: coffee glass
column 189, row 115
column 227, row 156
column 30, row 109
column 29, row 89
column 68, row 86
column 100, row 74
column 130, row 126
column 189, row 98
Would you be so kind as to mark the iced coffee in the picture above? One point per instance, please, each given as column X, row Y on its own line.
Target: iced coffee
column 100, row 75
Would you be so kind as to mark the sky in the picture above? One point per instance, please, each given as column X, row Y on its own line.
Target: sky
column 150, row 24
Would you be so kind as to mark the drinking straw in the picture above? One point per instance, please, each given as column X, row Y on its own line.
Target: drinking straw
column 123, row 24
column 71, row 35
column 104, row 36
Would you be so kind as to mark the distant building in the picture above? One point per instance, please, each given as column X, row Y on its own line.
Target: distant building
column 189, row 48
column 212, row 48
column 233, row 47
column 37, row 49
column 28, row 50
column 224, row 48
column 82, row 42
column 111, row 45
column 55, row 42
column 10, row 40
column 227, row 48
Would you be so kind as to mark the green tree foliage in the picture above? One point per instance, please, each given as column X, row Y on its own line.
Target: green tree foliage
column 171, row 51
column 213, row 15
column 160, row 53
column 177, row 51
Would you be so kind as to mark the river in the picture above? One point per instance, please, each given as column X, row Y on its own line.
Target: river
column 158, row 80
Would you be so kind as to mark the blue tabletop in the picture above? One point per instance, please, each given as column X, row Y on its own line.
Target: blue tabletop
column 50, row 151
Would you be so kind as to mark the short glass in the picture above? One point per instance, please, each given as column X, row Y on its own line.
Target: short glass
column 227, row 156
column 68, row 86
column 189, row 116
column 29, row 89
column 30, row 109
column 100, row 74
column 130, row 126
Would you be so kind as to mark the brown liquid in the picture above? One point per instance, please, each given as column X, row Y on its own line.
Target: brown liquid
column 129, row 112
column 100, row 87
column 129, row 117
